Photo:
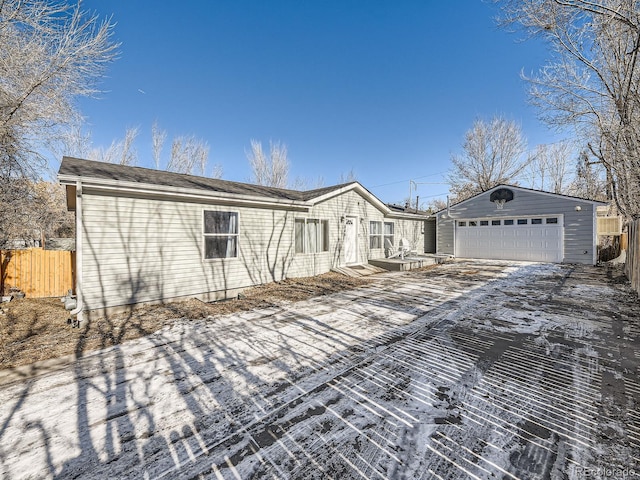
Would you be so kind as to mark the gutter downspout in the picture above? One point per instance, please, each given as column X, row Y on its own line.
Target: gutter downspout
column 78, row 310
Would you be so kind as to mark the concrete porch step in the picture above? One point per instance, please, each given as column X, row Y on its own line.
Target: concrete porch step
column 358, row 270
column 408, row 263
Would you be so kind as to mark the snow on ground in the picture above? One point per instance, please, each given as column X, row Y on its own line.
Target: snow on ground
column 471, row 370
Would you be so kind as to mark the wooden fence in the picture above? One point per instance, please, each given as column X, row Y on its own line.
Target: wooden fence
column 632, row 264
column 37, row 272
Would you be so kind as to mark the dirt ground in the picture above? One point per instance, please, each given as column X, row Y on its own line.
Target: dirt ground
column 33, row 330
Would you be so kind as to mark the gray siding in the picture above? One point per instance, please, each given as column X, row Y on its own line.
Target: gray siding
column 138, row 249
column 445, row 237
column 430, row 241
column 579, row 241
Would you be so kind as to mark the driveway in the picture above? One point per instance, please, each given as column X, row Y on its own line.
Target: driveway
column 470, row 370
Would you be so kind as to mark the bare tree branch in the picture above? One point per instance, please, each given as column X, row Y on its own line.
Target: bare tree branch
column 52, row 52
column 158, row 137
column 592, row 81
column 492, row 155
column 272, row 170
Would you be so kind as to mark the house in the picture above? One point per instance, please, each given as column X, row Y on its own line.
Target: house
column 144, row 235
column 515, row 223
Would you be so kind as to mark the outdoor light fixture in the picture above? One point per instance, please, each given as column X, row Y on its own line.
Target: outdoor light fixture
column 578, row 208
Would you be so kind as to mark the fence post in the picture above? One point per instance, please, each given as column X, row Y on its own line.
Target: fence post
column 632, row 264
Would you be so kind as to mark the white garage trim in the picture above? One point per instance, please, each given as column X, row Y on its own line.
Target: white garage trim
column 530, row 238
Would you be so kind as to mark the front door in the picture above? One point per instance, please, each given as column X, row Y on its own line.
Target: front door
column 351, row 240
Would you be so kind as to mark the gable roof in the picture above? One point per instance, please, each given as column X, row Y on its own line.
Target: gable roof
column 504, row 185
column 123, row 177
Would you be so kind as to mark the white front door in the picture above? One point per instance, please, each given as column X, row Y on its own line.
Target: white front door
column 350, row 245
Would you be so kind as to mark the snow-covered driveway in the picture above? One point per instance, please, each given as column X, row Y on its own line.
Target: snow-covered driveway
column 470, row 370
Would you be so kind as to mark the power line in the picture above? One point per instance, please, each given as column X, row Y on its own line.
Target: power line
column 408, row 180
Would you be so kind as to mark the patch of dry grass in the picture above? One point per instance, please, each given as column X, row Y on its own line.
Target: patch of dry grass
column 32, row 330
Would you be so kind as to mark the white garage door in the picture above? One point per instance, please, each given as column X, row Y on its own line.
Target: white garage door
column 538, row 239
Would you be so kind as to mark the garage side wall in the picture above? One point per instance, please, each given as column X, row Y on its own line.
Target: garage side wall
column 444, row 236
column 579, row 241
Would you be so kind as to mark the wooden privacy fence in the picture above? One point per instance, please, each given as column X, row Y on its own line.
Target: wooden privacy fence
column 632, row 263
column 37, row 272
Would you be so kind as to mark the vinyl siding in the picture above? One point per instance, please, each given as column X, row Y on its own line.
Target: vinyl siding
column 430, row 242
column 139, row 250
column 142, row 249
column 444, row 236
column 579, row 242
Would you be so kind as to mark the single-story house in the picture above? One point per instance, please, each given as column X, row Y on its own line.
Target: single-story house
column 515, row 223
column 145, row 235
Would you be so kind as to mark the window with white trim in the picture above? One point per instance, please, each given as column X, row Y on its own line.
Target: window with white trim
column 389, row 233
column 311, row 235
column 220, row 230
column 375, row 234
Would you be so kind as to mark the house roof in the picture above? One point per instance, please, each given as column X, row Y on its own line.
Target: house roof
column 503, row 185
column 161, row 182
column 75, row 167
column 400, row 208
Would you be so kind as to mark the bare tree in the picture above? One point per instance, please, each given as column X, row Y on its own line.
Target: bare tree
column 549, row 167
column 348, row 177
column 589, row 181
column 217, row 171
column 158, row 137
column 52, row 52
column 121, row 151
column 74, row 142
column 271, row 170
column 31, row 210
column 305, row 183
column 493, row 154
column 437, row 204
column 188, row 155
column 591, row 83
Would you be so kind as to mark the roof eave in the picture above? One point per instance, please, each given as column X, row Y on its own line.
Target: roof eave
column 182, row 193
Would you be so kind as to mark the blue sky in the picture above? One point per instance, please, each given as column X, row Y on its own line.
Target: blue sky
column 386, row 88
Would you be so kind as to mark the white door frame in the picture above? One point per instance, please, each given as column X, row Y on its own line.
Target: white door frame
column 353, row 259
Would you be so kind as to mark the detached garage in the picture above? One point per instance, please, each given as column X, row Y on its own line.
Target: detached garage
column 515, row 223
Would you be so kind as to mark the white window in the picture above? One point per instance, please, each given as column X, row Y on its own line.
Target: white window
column 388, row 233
column 220, row 234
column 375, row 234
column 311, row 235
